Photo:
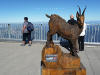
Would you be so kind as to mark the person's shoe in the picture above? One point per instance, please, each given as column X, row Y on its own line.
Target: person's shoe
column 29, row 45
column 22, row 44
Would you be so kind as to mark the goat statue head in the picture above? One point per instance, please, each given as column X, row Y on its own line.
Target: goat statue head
column 80, row 17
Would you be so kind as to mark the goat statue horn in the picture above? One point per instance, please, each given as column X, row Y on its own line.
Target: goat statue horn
column 79, row 10
column 47, row 15
column 84, row 11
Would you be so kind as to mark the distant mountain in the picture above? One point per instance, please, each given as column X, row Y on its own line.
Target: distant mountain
column 93, row 22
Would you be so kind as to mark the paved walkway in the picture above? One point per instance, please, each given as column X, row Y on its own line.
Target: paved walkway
column 18, row 60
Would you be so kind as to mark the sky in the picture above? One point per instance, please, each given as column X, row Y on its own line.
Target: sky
column 13, row 11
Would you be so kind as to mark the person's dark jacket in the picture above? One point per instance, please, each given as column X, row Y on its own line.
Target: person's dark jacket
column 72, row 21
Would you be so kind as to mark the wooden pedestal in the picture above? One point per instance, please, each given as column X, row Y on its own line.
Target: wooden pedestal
column 55, row 62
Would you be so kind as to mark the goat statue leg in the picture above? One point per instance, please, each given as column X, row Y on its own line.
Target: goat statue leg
column 74, row 48
column 77, row 46
column 49, row 39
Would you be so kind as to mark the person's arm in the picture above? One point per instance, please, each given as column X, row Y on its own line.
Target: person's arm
column 69, row 21
column 24, row 27
column 85, row 26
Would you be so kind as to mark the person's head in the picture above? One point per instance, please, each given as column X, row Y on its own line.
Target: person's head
column 25, row 18
column 71, row 16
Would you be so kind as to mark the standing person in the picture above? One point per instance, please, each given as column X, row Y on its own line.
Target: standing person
column 81, row 38
column 26, row 32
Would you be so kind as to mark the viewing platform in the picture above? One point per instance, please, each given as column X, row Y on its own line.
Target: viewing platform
column 25, row 60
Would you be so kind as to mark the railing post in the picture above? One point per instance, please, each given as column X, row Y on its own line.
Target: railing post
column 41, row 32
column 9, row 36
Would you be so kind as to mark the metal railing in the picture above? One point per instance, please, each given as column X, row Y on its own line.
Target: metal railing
column 13, row 32
column 92, row 34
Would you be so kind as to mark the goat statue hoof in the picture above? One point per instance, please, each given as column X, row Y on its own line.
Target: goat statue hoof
column 74, row 54
column 49, row 44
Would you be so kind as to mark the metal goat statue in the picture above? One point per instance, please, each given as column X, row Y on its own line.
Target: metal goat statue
column 66, row 30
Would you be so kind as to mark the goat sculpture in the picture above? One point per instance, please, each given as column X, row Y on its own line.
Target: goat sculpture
column 65, row 30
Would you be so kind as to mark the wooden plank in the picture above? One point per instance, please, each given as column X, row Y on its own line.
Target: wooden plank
column 69, row 61
column 82, row 70
column 62, row 71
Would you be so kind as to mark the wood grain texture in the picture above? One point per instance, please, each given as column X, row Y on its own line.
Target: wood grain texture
column 62, row 71
column 69, row 61
column 52, row 50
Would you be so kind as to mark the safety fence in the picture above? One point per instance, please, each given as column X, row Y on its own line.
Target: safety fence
column 14, row 32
